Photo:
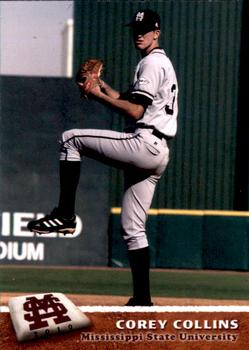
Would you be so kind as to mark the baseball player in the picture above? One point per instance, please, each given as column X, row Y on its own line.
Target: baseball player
column 141, row 150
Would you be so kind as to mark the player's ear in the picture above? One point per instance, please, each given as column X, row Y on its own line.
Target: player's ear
column 156, row 34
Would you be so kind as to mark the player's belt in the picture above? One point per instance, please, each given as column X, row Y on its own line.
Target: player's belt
column 155, row 132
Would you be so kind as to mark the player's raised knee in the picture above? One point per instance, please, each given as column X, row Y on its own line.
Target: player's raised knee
column 68, row 134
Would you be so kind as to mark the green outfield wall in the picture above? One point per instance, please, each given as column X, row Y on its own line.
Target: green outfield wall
column 189, row 239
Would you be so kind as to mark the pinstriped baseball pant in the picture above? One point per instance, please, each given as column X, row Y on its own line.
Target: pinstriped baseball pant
column 143, row 157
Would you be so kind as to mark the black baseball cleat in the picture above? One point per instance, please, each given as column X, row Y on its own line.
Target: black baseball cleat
column 53, row 222
column 136, row 302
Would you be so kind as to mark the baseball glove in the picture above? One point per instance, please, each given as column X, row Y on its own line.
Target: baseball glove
column 88, row 75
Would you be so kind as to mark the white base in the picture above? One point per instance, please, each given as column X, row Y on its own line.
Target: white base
column 39, row 315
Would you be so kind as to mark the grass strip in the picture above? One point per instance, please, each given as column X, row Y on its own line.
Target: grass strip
column 184, row 284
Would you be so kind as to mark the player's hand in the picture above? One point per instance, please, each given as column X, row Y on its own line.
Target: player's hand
column 96, row 91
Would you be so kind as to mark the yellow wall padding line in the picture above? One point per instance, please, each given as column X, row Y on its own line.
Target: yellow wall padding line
column 117, row 210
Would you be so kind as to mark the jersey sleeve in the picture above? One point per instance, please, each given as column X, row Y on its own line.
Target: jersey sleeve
column 147, row 83
column 136, row 98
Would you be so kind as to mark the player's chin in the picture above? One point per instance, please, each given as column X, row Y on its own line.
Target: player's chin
column 139, row 46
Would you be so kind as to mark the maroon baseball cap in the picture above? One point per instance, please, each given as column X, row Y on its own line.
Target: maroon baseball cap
column 145, row 21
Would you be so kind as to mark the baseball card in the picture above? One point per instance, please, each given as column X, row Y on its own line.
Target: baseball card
column 124, row 197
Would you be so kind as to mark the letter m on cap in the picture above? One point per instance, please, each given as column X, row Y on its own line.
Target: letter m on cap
column 139, row 16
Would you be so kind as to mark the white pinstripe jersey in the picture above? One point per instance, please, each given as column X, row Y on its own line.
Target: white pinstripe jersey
column 155, row 79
